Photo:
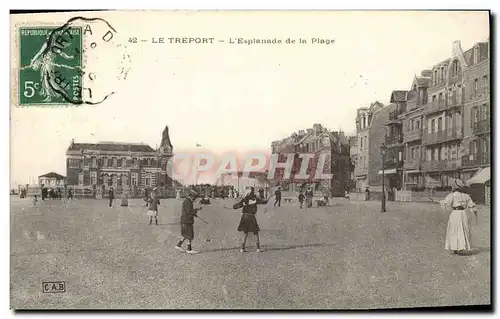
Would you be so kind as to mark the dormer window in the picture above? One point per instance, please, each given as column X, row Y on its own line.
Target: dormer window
column 476, row 54
column 455, row 68
column 435, row 77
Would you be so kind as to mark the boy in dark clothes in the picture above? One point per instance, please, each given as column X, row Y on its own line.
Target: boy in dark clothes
column 187, row 221
column 248, row 222
column 153, row 208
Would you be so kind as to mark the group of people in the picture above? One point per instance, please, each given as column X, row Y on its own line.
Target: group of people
column 248, row 222
column 50, row 193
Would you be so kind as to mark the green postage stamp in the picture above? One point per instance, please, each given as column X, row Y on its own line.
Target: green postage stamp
column 50, row 65
column 83, row 61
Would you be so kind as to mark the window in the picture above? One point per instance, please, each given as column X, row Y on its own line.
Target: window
column 476, row 86
column 124, row 162
column 433, row 125
column 439, row 124
column 105, row 179
column 115, row 180
column 475, row 114
column 94, row 161
column 476, row 54
column 485, row 84
column 147, row 180
column 119, row 163
column 433, row 100
column 80, row 179
column 455, row 68
column 93, row 178
column 484, row 112
column 411, row 125
column 418, row 124
column 105, row 162
column 74, row 163
column 115, row 161
column 135, row 162
column 435, row 77
column 440, row 99
column 442, row 74
column 134, row 179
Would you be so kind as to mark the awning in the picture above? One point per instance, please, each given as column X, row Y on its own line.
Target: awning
column 388, row 171
column 481, row 177
column 412, row 171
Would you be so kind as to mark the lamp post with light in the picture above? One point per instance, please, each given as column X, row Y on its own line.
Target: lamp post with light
column 383, row 150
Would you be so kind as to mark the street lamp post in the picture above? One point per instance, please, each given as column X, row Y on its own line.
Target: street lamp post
column 383, row 149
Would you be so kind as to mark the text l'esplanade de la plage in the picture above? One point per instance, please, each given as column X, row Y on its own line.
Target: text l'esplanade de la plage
column 235, row 40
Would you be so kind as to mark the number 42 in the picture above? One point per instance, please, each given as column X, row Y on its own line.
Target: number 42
column 30, row 88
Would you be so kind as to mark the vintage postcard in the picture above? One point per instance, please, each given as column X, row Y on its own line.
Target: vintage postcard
column 250, row 160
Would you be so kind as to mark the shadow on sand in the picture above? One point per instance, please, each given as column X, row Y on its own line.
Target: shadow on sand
column 267, row 248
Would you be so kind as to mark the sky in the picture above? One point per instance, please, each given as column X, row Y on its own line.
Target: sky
column 238, row 97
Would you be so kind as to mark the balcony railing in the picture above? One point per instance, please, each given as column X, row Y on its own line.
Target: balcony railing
column 413, row 163
column 440, row 165
column 476, row 160
column 412, row 136
column 393, row 117
column 481, row 126
column 394, row 139
column 453, row 101
column 443, row 136
column 437, row 106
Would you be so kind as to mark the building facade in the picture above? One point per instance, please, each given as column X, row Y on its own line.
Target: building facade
column 413, row 126
column 476, row 153
column 444, row 121
column 332, row 146
column 364, row 120
column 123, row 166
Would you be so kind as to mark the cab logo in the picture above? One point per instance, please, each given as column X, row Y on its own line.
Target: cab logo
column 53, row 286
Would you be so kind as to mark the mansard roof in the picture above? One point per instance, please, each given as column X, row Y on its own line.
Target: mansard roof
column 111, row 147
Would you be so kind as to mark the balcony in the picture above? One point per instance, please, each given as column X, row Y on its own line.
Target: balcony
column 438, row 106
column 441, row 165
column 411, row 164
column 411, row 136
column 393, row 118
column 481, row 126
column 394, row 140
column 474, row 160
column 443, row 136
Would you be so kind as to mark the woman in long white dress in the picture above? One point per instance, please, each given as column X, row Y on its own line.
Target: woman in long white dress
column 458, row 235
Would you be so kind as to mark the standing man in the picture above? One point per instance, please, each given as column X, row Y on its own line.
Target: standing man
column 261, row 193
column 309, row 196
column 301, row 198
column 70, row 193
column 111, row 196
column 277, row 192
column 187, row 222
column 146, row 196
column 367, row 192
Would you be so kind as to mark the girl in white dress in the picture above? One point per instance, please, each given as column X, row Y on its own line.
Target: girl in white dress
column 458, row 235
